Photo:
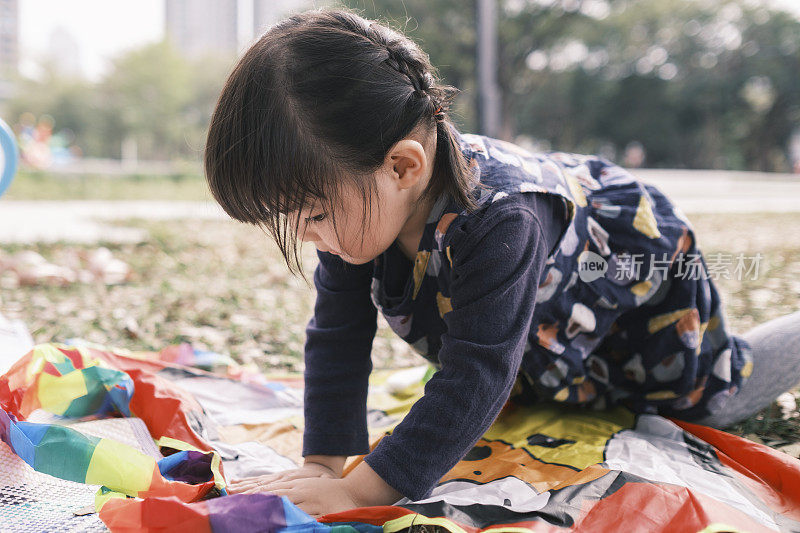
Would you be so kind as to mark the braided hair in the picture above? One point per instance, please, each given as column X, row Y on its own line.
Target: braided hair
column 317, row 102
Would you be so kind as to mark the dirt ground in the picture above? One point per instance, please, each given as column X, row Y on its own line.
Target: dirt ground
column 224, row 286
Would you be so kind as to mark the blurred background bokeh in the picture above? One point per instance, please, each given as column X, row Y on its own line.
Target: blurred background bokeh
column 108, row 232
column 668, row 83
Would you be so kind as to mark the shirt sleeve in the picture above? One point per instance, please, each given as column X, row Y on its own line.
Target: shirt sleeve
column 498, row 259
column 338, row 359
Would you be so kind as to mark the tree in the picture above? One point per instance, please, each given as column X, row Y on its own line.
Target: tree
column 699, row 84
column 147, row 91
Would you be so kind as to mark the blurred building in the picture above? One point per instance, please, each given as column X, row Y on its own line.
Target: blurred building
column 9, row 45
column 9, row 36
column 200, row 26
column 268, row 12
column 65, row 52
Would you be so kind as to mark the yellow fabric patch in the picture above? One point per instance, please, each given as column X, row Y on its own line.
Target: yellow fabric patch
column 703, row 327
column 177, row 444
column 517, row 387
column 407, row 521
column 562, row 395
column 747, row 369
column 43, row 353
column 561, row 421
column 576, row 190
column 57, row 392
column 130, row 476
column 578, row 380
column 444, row 304
column 571, row 211
column 640, row 289
column 661, row 395
column 420, row 265
column 661, row 321
column 101, row 499
column 719, row 527
column 645, row 220
column 48, row 352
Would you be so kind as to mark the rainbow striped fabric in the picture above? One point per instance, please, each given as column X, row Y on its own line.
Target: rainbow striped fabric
column 539, row 468
column 69, row 382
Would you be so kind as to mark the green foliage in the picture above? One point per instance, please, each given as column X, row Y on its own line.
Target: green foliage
column 42, row 185
column 151, row 94
column 701, row 84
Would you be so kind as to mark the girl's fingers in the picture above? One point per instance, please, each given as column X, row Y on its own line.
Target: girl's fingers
column 241, row 487
column 245, row 480
column 286, row 475
column 255, row 484
column 253, row 481
column 296, row 474
column 253, row 490
column 242, row 483
column 281, row 484
column 247, row 490
column 285, row 492
column 261, row 480
column 264, row 487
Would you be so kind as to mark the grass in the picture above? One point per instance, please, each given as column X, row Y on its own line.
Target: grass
column 37, row 185
column 223, row 286
column 220, row 285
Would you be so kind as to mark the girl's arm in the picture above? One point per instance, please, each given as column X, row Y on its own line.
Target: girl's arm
column 497, row 264
column 338, row 361
column 337, row 357
column 334, row 462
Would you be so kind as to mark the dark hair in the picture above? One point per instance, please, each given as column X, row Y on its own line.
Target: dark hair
column 319, row 100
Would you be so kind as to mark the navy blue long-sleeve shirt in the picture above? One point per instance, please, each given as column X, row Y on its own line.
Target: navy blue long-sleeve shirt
column 500, row 253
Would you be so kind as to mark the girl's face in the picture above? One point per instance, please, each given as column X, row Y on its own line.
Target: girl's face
column 378, row 229
column 395, row 211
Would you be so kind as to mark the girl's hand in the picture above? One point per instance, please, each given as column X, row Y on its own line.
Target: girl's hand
column 254, row 484
column 317, row 496
column 362, row 487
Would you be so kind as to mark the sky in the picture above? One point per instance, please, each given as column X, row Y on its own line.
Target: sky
column 101, row 28
column 104, row 28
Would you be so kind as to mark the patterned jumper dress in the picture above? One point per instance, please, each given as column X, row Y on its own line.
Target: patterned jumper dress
column 625, row 311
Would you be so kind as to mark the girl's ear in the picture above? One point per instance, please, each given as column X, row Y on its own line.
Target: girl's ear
column 409, row 163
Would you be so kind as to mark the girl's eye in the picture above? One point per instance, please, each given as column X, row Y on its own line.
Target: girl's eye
column 317, row 218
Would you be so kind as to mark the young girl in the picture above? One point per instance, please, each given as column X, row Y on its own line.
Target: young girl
column 521, row 276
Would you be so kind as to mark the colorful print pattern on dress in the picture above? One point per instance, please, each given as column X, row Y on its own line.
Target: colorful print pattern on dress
column 648, row 332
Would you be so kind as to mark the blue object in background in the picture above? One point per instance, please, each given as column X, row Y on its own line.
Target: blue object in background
column 10, row 156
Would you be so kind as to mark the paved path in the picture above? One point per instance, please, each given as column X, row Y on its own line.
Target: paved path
column 86, row 221
column 727, row 192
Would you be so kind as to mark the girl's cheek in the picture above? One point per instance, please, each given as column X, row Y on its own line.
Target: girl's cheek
column 306, row 234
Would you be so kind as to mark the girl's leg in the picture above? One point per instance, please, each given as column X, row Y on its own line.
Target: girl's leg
column 776, row 369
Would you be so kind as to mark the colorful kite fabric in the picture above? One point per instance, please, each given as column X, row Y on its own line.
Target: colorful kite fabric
column 538, row 468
